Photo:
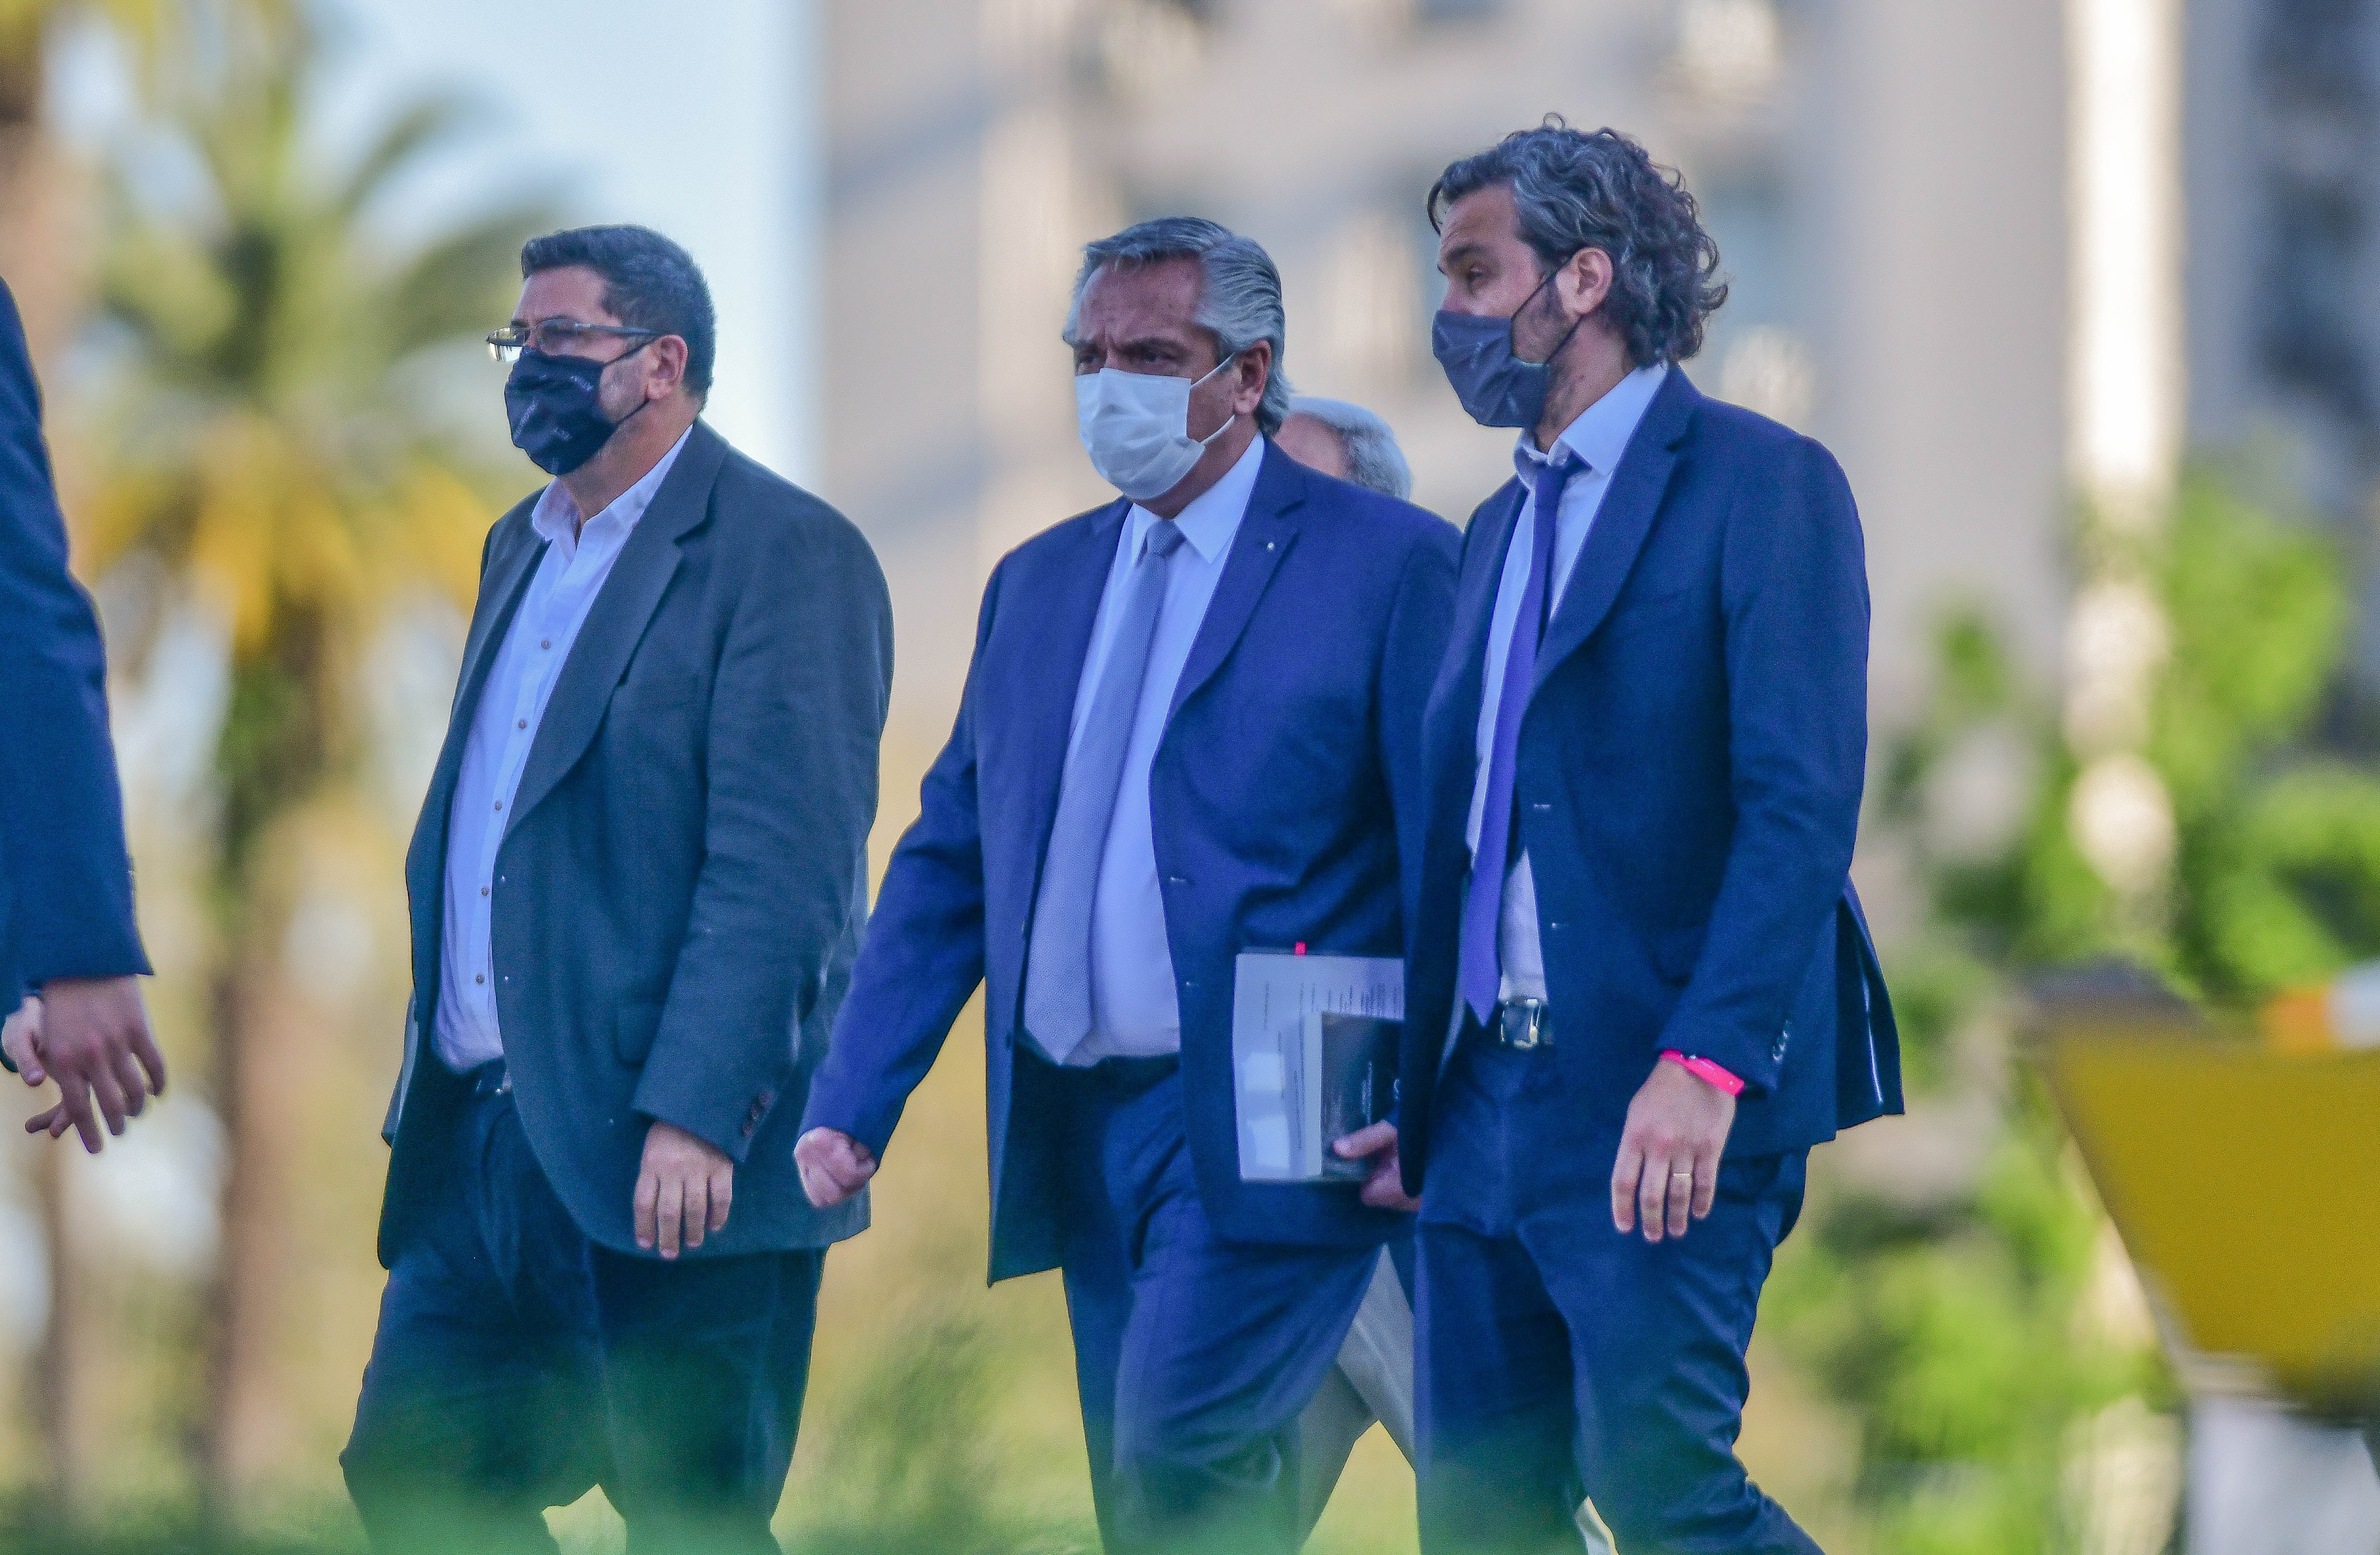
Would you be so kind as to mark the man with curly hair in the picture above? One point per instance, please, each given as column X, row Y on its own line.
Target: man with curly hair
column 1640, row 987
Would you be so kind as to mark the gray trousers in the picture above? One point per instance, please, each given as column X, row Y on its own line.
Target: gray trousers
column 1374, row 1381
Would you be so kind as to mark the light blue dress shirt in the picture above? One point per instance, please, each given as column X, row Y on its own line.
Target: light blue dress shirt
column 577, row 558
column 1135, row 1009
column 1598, row 438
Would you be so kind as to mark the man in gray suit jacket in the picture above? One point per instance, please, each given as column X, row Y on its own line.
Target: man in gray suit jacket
column 636, row 887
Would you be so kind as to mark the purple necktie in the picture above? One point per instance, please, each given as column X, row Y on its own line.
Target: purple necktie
column 1479, row 972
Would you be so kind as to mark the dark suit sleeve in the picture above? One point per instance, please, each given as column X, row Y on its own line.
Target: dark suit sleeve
column 1419, row 622
column 923, row 957
column 66, row 879
column 1793, row 585
column 796, row 715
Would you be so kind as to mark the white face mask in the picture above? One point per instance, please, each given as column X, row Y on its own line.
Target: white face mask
column 1136, row 427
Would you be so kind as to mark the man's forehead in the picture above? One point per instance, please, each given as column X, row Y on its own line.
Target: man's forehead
column 1164, row 294
column 1480, row 218
column 571, row 292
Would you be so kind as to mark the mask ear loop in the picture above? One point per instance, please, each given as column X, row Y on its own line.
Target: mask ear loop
column 1208, row 440
column 642, row 406
column 1513, row 326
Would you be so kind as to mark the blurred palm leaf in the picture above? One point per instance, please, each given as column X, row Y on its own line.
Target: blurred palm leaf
column 267, row 442
column 264, row 443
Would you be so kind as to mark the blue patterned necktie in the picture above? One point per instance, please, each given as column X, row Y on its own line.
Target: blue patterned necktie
column 1479, row 972
column 1058, row 960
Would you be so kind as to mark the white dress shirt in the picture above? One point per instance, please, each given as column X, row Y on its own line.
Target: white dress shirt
column 1597, row 439
column 512, row 702
column 1135, row 1008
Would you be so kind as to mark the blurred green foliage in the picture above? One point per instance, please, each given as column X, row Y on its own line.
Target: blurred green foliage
column 1955, row 1325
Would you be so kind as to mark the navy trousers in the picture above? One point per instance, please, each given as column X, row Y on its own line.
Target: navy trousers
column 518, row 1365
column 1558, row 1357
column 1195, row 1355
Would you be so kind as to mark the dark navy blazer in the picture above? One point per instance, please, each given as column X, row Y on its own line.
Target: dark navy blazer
column 66, row 881
column 1284, row 793
column 1691, row 764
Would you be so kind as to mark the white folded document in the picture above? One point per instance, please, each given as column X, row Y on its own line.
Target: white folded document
column 1314, row 1058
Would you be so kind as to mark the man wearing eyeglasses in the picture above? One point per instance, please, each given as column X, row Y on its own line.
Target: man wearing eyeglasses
column 636, row 887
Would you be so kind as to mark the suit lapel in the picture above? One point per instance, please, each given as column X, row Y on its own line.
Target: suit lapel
column 1474, row 607
column 1620, row 526
column 616, row 621
column 500, row 596
column 1264, row 536
column 1451, row 721
column 1050, row 683
column 505, row 585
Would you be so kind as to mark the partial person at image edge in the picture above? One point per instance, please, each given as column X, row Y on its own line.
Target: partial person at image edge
column 69, row 949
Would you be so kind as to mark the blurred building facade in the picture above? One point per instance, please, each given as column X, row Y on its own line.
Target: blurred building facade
column 1886, row 182
column 2282, row 187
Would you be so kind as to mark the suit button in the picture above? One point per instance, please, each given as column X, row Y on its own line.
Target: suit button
column 1175, row 880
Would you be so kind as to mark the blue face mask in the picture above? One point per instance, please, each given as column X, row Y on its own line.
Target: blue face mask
column 1495, row 385
column 555, row 406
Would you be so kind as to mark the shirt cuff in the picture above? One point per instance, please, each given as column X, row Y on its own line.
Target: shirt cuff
column 1705, row 1070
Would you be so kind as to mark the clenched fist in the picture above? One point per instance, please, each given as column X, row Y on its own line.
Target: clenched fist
column 834, row 1165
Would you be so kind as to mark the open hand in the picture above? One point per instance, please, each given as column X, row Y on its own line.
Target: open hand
column 683, row 1189
column 834, row 1165
column 1385, row 1188
column 1669, row 1152
column 93, row 1039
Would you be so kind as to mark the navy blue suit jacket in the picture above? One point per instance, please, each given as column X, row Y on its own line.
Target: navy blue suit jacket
column 65, row 880
column 1691, row 763
column 1284, row 795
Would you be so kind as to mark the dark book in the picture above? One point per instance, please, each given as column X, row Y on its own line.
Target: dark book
column 1357, row 1080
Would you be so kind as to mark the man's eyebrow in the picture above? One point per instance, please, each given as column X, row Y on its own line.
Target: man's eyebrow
column 1168, row 343
column 1457, row 254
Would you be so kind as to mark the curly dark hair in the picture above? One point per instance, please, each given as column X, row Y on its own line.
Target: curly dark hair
column 1579, row 190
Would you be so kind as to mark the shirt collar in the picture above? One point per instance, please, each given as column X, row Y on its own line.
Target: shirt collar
column 1600, row 435
column 1212, row 517
column 556, row 517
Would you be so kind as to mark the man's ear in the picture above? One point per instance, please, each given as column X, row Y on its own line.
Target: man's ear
column 1254, row 368
column 669, row 356
column 1583, row 281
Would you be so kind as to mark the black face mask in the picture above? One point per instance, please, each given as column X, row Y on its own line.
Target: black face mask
column 556, row 411
column 1495, row 385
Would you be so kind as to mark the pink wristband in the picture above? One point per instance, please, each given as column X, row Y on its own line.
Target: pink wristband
column 1705, row 1070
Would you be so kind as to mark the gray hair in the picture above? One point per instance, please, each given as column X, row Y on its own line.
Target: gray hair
column 1374, row 460
column 1239, row 302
